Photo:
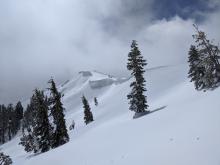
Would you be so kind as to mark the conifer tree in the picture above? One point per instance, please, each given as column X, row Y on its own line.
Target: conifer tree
column 42, row 129
column 18, row 116
column 3, row 123
column 96, row 101
column 37, row 137
column 209, row 55
column 60, row 135
column 19, row 111
column 10, row 110
column 197, row 70
column 30, row 122
column 136, row 63
column 88, row 116
column 28, row 141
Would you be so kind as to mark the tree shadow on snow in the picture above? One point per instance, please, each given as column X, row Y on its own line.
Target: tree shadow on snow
column 138, row 115
column 32, row 155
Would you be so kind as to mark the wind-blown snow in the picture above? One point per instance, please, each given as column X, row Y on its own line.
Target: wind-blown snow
column 183, row 128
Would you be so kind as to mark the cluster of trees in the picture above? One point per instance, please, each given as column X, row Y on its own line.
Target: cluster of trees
column 10, row 121
column 44, row 125
column 204, row 62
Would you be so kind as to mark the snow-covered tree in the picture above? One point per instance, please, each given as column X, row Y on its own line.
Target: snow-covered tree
column 88, row 116
column 209, row 55
column 42, row 129
column 60, row 135
column 37, row 138
column 136, row 63
column 28, row 141
column 5, row 159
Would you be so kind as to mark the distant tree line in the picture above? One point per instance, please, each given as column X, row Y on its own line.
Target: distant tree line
column 10, row 121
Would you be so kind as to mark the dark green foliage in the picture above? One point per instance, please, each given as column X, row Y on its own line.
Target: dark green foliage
column 28, row 117
column 38, row 133
column 28, row 141
column 19, row 111
column 136, row 63
column 3, row 123
column 42, row 128
column 5, row 159
column 88, row 117
column 197, row 70
column 9, row 123
column 38, row 138
column 60, row 135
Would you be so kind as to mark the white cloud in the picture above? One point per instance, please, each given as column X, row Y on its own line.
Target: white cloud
column 44, row 38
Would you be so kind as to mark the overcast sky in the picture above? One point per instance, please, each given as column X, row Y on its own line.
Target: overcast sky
column 44, row 38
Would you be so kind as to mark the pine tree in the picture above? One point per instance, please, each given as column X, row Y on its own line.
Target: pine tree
column 88, row 116
column 19, row 111
column 28, row 141
column 196, row 68
column 37, row 137
column 5, row 159
column 136, row 63
column 96, row 101
column 42, row 129
column 3, row 122
column 209, row 53
column 30, row 122
column 60, row 135
column 10, row 110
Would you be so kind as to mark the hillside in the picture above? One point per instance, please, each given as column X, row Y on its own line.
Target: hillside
column 183, row 128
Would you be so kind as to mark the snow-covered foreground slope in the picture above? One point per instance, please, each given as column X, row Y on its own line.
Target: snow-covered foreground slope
column 184, row 128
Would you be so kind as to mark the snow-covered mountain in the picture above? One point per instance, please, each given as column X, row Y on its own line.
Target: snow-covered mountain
column 183, row 128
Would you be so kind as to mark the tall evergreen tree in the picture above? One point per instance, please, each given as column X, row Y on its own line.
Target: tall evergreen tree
column 30, row 123
column 136, row 63
column 10, row 110
column 3, row 123
column 42, row 129
column 60, row 135
column 19, row 111
column 88, row 116
column 37, row 138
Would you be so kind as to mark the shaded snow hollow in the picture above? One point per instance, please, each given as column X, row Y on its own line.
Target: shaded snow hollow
column 182, row 130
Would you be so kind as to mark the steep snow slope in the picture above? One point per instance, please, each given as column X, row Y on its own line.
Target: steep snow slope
column 183, row 128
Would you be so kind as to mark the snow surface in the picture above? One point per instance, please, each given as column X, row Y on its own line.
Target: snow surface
column 183, row 128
